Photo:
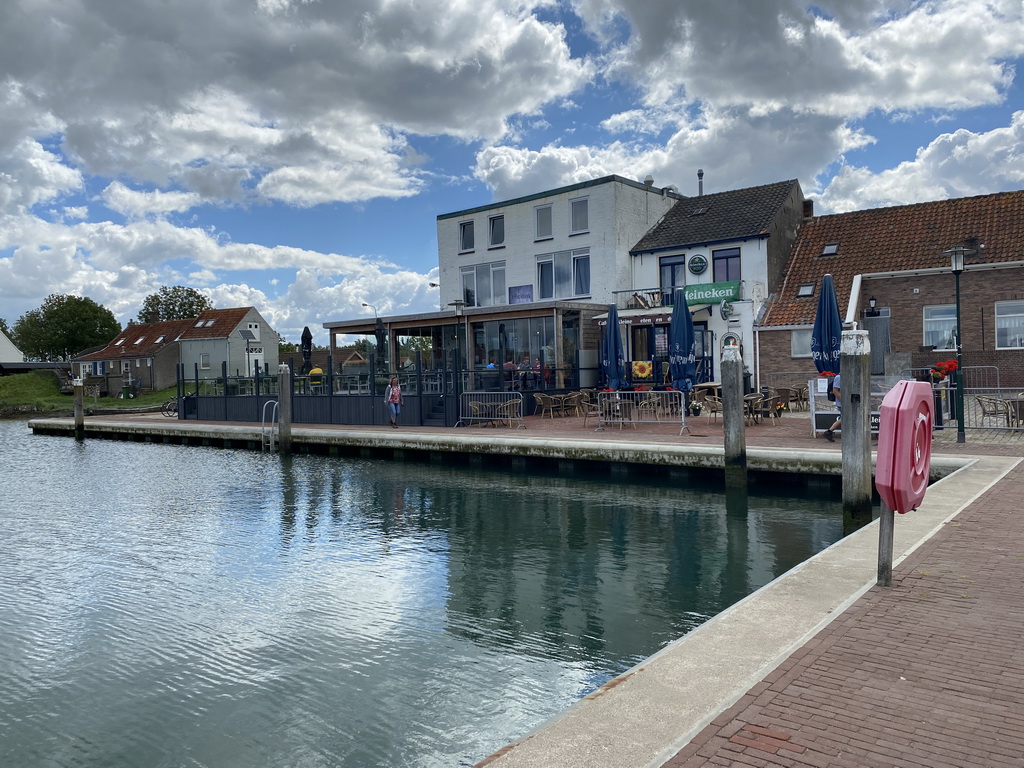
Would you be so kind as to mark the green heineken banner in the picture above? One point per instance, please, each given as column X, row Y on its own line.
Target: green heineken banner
column 712, row 293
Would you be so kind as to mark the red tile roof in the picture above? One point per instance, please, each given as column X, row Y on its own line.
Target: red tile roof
column 146, row 339
column 905, row 237
column 216, row 323
column 140, row 340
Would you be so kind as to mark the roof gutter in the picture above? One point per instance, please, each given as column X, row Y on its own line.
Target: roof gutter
column 705, row 244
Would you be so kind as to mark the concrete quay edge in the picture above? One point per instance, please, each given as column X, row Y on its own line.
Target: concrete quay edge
column 511, row 444
column 646, row 715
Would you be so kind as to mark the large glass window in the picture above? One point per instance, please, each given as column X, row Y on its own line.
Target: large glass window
column 726, row 262
column 544, row 230
column 579, row 215
column 466, row 236
column 563, row 274
column 940, row 327
column 484, row 285
column 496, row 226
column 508, row 341
column 1009, row 324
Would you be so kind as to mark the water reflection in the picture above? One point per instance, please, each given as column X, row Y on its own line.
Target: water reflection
column 162, row 605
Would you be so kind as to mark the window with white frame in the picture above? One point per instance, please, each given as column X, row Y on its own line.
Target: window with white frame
column 483, row 285
column 563, row 274
column 204, row 360
column 800, row 342
column 1009, row 324
column 940, row 327
column 496, row 231
column 579, row 215
column 543, row 217
column 466, row 236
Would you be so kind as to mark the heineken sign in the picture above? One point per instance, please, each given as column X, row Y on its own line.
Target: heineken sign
column 712, row 293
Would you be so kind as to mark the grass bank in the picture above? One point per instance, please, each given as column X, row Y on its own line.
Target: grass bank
column 34, row 393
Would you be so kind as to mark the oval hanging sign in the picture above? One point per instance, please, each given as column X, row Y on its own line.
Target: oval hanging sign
column 697, row 264
column 726, row 309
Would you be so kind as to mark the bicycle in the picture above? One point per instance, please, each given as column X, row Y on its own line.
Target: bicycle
column 170, row 408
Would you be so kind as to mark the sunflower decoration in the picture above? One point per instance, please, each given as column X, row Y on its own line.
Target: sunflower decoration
column 642, row 369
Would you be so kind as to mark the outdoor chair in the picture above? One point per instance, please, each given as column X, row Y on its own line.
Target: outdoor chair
column 994, row 408
column 571, row 404
column 752, row 407
column 543, row 404
column 712, row 406
column 770, row 409
column 479, row 413
column 509, row 411
column 589, row 409
column 649, row 406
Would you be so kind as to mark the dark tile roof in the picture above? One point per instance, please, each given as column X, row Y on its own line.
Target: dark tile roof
column 216, row 323
column 717, row 217
column 140, row 340
column 905, row 237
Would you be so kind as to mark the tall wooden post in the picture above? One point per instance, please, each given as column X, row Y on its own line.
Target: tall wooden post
column 855, row 392
column 79, row 390
column 733, row 419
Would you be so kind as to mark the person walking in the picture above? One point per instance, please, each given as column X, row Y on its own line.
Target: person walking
column 830, row 432
column 393, row 397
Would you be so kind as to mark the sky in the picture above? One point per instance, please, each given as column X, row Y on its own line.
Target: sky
column 293, row 155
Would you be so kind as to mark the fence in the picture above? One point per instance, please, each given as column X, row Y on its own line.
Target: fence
column 634, row 408
column 491, row 408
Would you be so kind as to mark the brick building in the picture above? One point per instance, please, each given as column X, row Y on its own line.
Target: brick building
column 900, row 257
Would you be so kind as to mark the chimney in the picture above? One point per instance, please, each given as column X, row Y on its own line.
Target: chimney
column 808, row 209
column 700, row 182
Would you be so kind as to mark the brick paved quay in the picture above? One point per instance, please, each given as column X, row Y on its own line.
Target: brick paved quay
column 821, row 668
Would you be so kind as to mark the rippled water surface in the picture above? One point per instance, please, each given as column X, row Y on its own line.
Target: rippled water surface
column 179, row 606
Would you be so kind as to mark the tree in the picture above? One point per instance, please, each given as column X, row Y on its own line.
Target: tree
column 175, row 303
column 5, row 327
column 64, row 326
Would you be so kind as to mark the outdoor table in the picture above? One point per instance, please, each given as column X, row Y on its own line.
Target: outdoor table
column 710, row 387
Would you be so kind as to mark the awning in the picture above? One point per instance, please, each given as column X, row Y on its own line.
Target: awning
column 652, row 316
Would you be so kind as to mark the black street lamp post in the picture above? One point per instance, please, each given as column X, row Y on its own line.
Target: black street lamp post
column 956, row 255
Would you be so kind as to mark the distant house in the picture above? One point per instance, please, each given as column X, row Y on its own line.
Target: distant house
column 893, row 277
column 146, row 355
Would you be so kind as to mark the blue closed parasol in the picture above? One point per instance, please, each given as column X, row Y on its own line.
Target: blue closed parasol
column 827, row 334
column 682, row 366
column 613, row 356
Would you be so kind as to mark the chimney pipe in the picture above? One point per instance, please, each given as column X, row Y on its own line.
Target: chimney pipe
column 700, row 182
column 808, row 209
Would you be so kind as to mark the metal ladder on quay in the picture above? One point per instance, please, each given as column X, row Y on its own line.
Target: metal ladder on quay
column 269, row 429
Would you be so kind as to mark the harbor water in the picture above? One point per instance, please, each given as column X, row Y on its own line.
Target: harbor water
column 163, row 605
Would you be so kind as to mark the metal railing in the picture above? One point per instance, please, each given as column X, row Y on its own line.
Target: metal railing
column 491, row 408
column 632, row 408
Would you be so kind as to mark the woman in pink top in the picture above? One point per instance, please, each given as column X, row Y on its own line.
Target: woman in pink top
column 393, row 397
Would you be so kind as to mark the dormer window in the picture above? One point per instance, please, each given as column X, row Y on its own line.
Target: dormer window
column 830, row 249
column 805, row 289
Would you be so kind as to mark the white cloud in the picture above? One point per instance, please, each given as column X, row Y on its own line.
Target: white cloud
column 958, row 164
column 132, row 203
